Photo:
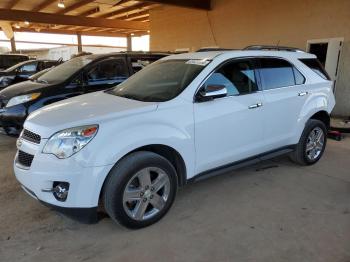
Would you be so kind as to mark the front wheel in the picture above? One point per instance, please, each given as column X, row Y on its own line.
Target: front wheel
column 11, row 131
column 140, row 189
column 312, row 143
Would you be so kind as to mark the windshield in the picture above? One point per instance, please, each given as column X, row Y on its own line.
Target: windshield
column 39, row 74
column 160, row 81
column 63, row 71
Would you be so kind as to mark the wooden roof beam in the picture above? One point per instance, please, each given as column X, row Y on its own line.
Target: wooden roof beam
column 197, row 4
column 74, row 6
column 43, row 5
column 12, row 3
column 90, row 11
column 133, row 15
column 45, row 18
column 125, row 10
column 142, row 19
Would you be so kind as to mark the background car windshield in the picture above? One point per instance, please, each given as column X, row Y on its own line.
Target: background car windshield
column 65, row 70
column 160, row 81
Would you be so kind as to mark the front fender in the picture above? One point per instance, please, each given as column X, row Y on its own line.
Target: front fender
column 116, row 139
column 130, row 139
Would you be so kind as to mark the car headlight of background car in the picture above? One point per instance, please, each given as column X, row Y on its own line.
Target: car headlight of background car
column 22, row 99
column 67, row 142
column 5, row 81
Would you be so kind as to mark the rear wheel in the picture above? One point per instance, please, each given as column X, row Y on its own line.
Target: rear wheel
column 140, row 189
column 311, row 144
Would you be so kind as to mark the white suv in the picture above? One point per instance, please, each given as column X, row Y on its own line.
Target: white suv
column 186, row 117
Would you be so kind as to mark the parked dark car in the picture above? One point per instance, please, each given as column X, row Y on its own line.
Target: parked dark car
column 8, row 60
column 77, row 76
column 23, row 71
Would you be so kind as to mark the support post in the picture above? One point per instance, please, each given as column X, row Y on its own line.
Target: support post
column 80, row 46
column 129, row 43
column 13, row 45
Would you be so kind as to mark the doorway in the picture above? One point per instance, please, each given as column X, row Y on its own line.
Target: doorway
column 320, row 50
column 328, row 52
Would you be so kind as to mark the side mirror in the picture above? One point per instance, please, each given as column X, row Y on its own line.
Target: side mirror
column 211, row 92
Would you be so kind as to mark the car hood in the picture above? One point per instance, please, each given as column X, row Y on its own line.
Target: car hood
column 22, row 88
column 94, row 108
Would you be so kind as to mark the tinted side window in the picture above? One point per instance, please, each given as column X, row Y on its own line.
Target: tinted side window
column 299, row 78
column 29, row 68
column 276, row 73
column 316, row 66
column 7, row 61
column 115, row 69
column 49, row 64
column 238, row 77
column 138, row 63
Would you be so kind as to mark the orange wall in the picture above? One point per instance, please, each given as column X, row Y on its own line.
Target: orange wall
column 238, row 23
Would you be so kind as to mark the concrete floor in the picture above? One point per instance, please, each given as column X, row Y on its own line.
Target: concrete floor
column 282, row 213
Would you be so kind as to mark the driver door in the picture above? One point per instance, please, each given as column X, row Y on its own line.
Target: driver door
column 230, row 128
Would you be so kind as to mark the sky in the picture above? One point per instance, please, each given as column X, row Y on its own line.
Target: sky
column 138, row 43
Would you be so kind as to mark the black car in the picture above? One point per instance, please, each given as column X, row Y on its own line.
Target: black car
column 77, row 76
column 23, row 71
column 8, row 60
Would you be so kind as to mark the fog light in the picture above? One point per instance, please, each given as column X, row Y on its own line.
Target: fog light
column 60, row 190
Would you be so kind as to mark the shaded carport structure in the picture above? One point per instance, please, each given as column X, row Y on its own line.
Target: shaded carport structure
column 116, row 18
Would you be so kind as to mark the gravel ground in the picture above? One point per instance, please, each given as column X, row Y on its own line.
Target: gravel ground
column 274, row 211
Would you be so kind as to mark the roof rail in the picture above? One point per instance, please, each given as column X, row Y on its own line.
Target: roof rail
column 272, row 47
column 207, row 49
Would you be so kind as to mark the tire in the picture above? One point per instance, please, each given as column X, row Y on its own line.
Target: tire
column 303, row 154
column 132, row 192
column 11, row 131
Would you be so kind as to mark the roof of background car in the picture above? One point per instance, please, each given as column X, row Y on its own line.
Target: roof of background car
column 131, row 53
column 239, row 53
column 14, row 55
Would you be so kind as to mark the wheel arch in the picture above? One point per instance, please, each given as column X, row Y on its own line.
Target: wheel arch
column 323, row 116
column 169, row 153
column 172, row 155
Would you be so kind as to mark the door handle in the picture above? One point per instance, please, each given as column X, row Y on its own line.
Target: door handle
column 255, row 106
column 303, row 93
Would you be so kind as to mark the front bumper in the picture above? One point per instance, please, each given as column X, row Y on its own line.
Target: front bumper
column 85, row 183
column 13, row 116
column 84, row 215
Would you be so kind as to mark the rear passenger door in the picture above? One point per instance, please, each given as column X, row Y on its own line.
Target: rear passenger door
column 284, row 94
column 106, row 74
column 230, row 128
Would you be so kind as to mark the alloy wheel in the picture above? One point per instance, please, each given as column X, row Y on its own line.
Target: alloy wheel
column 315, row 143
column 146, row 193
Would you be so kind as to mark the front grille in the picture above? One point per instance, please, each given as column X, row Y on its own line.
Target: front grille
column 24, row 158
column 31, row 137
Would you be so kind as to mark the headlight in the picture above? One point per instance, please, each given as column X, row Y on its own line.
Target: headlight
column 67, row 142
column 22, row 99
column 5, row 81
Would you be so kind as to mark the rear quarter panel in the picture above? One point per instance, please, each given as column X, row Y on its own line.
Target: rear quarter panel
column 320, row 98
